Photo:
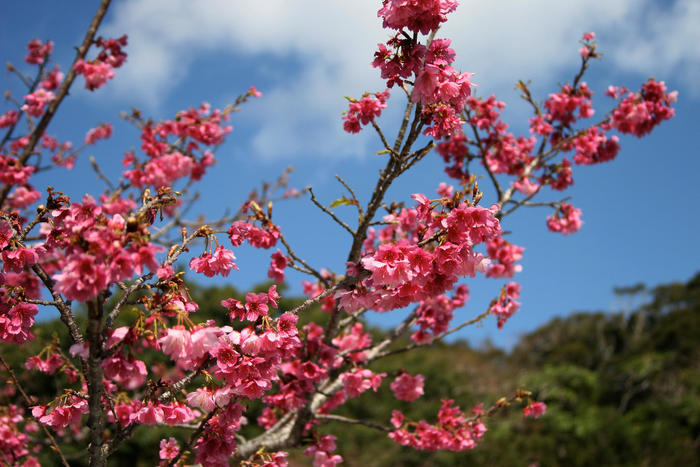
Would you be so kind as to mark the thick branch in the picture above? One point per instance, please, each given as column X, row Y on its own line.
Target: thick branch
column 94, row 383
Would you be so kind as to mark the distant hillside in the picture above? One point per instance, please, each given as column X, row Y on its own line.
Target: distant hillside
column 621, row 389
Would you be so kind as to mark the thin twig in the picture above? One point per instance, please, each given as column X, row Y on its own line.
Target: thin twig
column 329, row 212
column 40, row 302
column 123, row 300
column 436, row 339
column 345, row 283
column 296, row 258
column 34, row 222
column 358, row 205
column 32, row 88
column 482, row 150
column 340, row 418
column 384, row 141
column 99, row 172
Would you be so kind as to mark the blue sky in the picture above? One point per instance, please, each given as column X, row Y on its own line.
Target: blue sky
column 640, row 211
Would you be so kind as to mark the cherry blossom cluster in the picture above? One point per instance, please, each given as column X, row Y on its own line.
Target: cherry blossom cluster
column 53, row 79
column 152, row 413
column 218, row 441
column 38, row 51
column 94, row 246
column 364, row 111
column 453, row 430
column 507, row 303
column 170, row 147
column 277, row 264
column 439, row 88
column 12, row 172
column 502, row 152
column 16, row 316
column 36, row 102
column 9, row 118
column 169, row 449
column 639, row 113
column 408, row 388
column 405, row 263
column 321, row 452
column 565, row 220
column 301, row 374
column 211, row 264
column 103, row 131
column 54, row 361
column 535, row 409
column 416, row 15
column 15, row 439
column 588, row 49
column 434, row 315
column 503, row 255
column 68, row 411
column 264, row 237
column 256, row 305
column 101, row 69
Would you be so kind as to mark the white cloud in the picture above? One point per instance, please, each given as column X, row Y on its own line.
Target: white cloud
column 665, row 43
column 334, row 41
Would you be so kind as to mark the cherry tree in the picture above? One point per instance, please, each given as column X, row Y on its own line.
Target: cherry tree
column 120, row 249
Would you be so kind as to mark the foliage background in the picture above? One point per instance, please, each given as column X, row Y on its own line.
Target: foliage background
column 621, row 389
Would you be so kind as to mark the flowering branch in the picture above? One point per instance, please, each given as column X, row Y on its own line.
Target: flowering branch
column 62, row 92
column 29, row 403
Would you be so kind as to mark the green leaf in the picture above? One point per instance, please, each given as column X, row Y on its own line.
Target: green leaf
column 340, row 202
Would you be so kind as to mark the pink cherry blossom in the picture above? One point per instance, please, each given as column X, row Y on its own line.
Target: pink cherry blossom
column 103, row 131
column 407, row 387
column 38, row 51
column 535, row 409
column 168, row 449
column 221, row 262
column 81, row 278
column 277, row 264
column 37, row 101
column 416, row 15
column 566, row 220
column 96, row 73
column 201, row 398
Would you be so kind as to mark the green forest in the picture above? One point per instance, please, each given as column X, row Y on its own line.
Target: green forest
column 620, row 388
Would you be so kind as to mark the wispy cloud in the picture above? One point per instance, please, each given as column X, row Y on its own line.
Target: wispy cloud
column 334, row 41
